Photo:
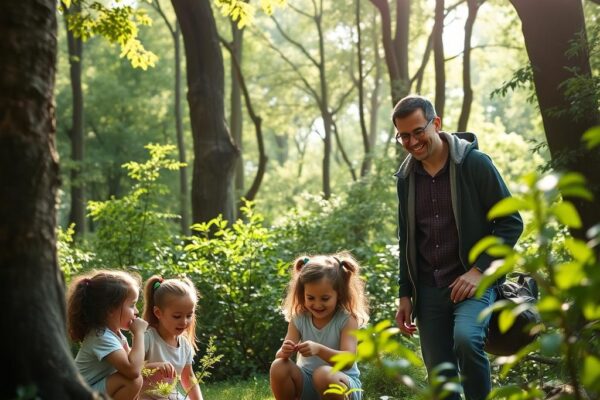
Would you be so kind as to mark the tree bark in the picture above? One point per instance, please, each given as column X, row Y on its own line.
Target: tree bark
column 37, row 356
column 367, row 160
column 236, row 119
column 76, row 133
column 463, row 120
column 438, row 58
column 548, row 30
column 214, row 150
column 396, row 50
column 184, row 191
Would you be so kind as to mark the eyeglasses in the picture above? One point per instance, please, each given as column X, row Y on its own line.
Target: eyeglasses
column 417, row 133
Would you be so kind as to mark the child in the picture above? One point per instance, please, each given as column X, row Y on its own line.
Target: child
column 99, row 305
column 169, row 308
column 324, row 303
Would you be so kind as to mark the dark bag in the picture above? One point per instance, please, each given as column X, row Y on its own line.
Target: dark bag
column 523, row 289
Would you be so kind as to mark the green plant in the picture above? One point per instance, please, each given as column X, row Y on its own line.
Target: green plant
column 129, row 228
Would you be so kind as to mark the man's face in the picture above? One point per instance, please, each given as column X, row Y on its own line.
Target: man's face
column 418, row 135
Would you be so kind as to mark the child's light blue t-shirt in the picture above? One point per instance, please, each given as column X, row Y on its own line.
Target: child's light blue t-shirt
column 90, row 359
column 328, row 336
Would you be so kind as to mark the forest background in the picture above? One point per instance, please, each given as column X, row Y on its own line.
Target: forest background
column 292, row 112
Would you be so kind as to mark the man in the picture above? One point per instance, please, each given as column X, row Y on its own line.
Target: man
column 446, row 186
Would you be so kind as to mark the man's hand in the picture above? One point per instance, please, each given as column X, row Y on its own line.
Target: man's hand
column 403, row 316
column 464, row 286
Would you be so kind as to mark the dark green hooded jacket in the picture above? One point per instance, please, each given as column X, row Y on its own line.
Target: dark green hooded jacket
column 475, row 186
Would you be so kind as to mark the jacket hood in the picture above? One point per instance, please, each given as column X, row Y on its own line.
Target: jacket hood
column 459, row 145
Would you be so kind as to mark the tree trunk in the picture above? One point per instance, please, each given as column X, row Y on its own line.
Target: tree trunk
column 214, row 151
column 37, row 356
column 465, row 111
column 374, row 100
column 184, row 191
column 76, row 133
column 548, row 30
column 438, row 58
column 396, row 50
column 367, row 160
column 236, row 119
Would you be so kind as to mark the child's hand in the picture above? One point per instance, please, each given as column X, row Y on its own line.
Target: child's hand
column 166, row 370
column 138, row 326
column 288, row 348
column 308, row 348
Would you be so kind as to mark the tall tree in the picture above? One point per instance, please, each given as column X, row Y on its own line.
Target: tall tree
column 561, row 23
column 39, row 358
column 320, row 92
column 473, row 6
column 214, row 151
column 439, row 58
column 236, row 118
column 76, row 132
column 396, row 48
column 184, row 192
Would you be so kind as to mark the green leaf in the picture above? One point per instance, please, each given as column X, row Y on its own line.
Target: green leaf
column 566, row 214
column 579, row 250
column 507, row 206
column 591, row 372
column 506, row 319
column 592, row 137
column 549, row 304
column 591, row 310
column 550, row 343
column 569, row 274
column 482, row 246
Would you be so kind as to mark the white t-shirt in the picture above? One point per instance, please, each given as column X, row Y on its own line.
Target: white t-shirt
column 90, row 359
column 157, row 350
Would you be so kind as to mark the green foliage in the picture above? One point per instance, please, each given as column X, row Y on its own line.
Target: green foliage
column 118, row 24
column 569, row 283
column 130, row 227
column 522, row 78
column 243, row 12
column 256, row 388
column 71, row 259
column 241, row 282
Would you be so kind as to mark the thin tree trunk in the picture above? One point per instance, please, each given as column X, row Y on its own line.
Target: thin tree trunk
column 76, row 133
column 37, row 356
column 438, row 57
column 465, row 111
column 214, row 150
column 257, row 120
column 236, row 119
column 374, row 100
column 558, row 22
column 184, row 191
column 366, row 164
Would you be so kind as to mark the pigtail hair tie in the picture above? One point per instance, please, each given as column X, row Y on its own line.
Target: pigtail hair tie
column 157, row 283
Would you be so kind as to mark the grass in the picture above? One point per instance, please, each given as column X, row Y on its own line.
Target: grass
column 375, row 385
column 253, row 389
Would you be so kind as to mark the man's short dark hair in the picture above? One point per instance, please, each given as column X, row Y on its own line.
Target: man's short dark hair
column 410, row 104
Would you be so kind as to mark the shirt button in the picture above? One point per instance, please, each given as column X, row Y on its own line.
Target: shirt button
column 436, row 215
column 433, row 200
column 437, row 246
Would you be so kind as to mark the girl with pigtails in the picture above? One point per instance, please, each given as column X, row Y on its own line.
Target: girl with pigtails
column 170, row 341
column 325, row 302
column 99, row 305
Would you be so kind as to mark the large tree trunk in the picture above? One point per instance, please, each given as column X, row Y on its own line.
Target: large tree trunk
column 548, row 29
column 396, row 49
column 439, row 59
column 37, row 355
column 367, row 160
column 465, row 111
column 75, row 46
column 214, row 150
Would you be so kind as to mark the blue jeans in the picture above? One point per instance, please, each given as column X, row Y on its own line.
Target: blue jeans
column 453, row 333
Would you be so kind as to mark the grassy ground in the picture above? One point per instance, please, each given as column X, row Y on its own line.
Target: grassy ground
column 375, row 385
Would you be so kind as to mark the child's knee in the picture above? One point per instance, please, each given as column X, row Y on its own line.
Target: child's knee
column 280, row 367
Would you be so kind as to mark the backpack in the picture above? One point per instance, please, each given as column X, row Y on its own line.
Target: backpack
column 522, row 289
